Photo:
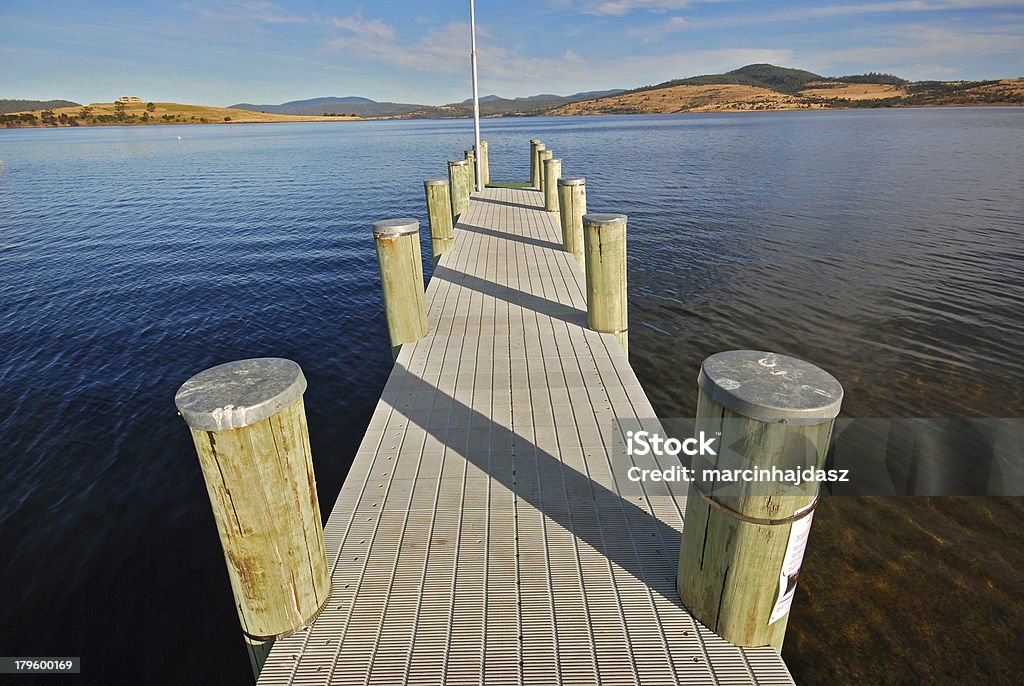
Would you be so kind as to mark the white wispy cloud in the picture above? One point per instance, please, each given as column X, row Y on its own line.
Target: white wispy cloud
column 675, row 24
column 898, row 47
column 245, row 11
column 621, row 7
column 373, row 29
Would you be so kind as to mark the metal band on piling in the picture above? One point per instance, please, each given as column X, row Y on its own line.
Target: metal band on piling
column 604, row 238
column 248, row 425
column 552, row 170
column 572, row 205
column 401, row 280
column 742, row 548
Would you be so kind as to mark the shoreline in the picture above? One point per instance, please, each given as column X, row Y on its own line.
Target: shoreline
column 330, row 120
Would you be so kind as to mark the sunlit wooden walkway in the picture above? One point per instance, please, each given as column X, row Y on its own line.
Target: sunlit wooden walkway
column 480, row 536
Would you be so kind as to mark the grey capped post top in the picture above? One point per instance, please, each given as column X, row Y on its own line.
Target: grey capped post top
column 237, row 394
column 571, row 181
column 458, row 163
column 770, row 387
column 603, row 219
column 396, row 227
column 436, row 182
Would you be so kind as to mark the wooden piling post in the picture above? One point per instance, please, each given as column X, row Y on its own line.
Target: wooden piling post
column 604, row 249
column 535, row 174
column 532, row 162
column 459, row 179
column 401, row 279
column 552, row 170
column 249, row 428
column 470, row 156
column 743, row 543
column 439, row 210
column 468, row 179
column 485, row 164
column 572, row 205
column 543, row 156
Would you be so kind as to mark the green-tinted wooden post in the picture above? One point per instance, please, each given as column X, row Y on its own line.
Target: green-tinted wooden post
column 471, row 158
column 543, row 156
column 249, row 428
column 552, row 170
column 401, row 279
column 743, row 544
column 604, row 249
column 485, row 164
column 532, row 162
column 459, row 179
column 468, row 179
column 439, row 209
column 535, row 174
column 572, row 205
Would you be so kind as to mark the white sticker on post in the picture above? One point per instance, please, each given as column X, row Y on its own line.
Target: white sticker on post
column 798, row 533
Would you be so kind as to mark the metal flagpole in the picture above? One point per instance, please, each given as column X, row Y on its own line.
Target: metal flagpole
column 476, row 95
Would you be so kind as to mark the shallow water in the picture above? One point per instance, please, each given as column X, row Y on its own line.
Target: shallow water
column 884, row 246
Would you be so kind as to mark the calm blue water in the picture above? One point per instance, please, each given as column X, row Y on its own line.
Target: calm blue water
column 885, row 246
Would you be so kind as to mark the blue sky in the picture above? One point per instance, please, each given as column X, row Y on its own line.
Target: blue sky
column 261, row 51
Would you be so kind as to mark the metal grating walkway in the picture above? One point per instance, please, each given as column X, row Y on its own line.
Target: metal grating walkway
column 479, row 536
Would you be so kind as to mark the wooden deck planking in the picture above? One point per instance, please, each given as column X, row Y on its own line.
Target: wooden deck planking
column 480, row 536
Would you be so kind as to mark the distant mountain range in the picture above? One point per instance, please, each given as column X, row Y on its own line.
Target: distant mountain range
column 490, row 106
column 7, row 106
column 753, row 87
column 361, row 107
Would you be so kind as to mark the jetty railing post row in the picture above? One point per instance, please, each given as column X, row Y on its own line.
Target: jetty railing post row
column 552, row 170
column 604, row 248
column 248, row 424
column 401, row 280
column 439, row 213
column 742, row 547
column 572, row 205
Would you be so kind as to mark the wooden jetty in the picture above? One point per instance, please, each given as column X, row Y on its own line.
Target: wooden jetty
column 481, row 536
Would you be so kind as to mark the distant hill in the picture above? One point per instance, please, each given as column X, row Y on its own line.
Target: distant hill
column 769, row 87
column 109, row 114
column 490, row 106
column 7, row 106
column 361, row 107
column 483, row 98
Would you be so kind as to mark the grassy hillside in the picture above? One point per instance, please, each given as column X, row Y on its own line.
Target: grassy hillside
column 768, row 76
column 107, row 114
column 767, row 87
column 8, row 106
